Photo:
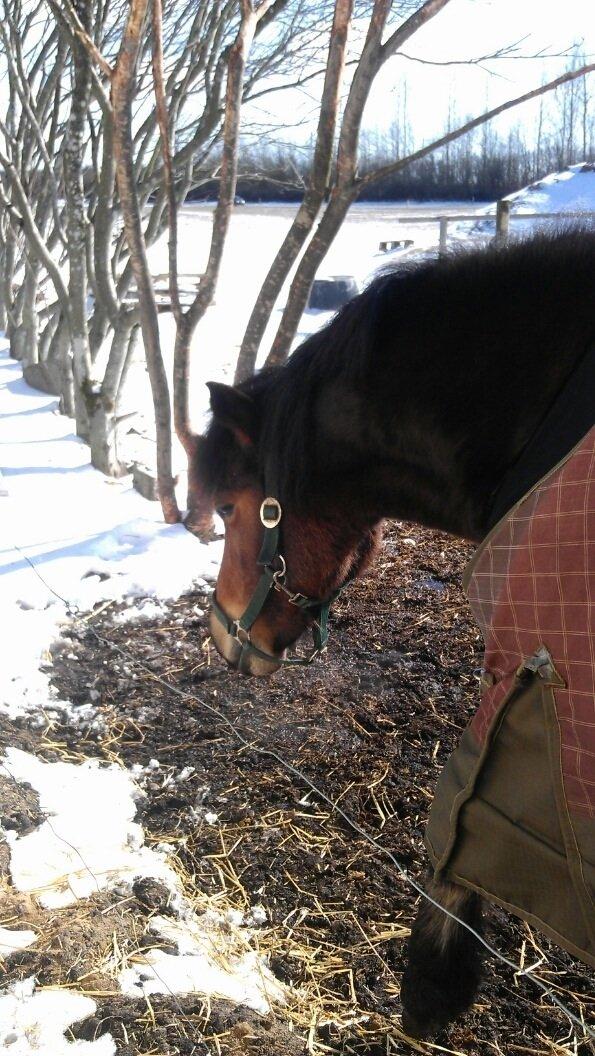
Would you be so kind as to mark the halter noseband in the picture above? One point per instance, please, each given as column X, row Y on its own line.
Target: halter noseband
column 272, row 578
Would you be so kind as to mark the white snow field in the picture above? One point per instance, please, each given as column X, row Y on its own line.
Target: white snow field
column 69, row 539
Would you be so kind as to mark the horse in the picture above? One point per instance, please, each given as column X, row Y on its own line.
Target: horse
column 431, row 397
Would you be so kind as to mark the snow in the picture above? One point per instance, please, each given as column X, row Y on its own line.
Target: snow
column 33, row 1022
column 206, row 962
column 572, row 190
column 70, row 539
column 91, row 539
column 11, row 941
column 569, row 191
column 89, row 840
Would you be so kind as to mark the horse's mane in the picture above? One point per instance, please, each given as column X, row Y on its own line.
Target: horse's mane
column 399, row 304
column 286, row 395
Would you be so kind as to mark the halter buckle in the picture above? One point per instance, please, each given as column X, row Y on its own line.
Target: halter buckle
column 270, row 512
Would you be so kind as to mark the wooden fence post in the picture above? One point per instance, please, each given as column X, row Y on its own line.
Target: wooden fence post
column 443, row 235
column 502, row 221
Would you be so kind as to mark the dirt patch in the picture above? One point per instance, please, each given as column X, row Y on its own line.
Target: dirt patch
column 372, row 726
column 19, row 807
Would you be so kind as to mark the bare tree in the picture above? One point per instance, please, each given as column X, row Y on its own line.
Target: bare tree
column 30, row 137
column 76, row 220
column 305, row 217
column 186, row 322
column 381, row 43
column 61, row 232
column 345, row 192
column 125, row 81
column 374, row 53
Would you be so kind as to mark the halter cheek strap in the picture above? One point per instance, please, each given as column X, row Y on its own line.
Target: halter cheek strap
column 272, row 578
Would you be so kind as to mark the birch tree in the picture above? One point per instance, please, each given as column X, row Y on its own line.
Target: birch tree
column 152, row 178
column 314, row 194
column 63, row 174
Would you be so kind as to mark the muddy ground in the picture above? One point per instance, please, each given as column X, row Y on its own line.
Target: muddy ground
column 371, row 725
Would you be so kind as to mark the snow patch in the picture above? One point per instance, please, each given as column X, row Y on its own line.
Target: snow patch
column 70, row 538
column 89, row 841
column 12, row 941
column 209, row 960
column 32, row 1023
column 570, row 191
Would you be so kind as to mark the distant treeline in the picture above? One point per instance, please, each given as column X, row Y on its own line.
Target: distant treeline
column 457, row 175
column 483, row 165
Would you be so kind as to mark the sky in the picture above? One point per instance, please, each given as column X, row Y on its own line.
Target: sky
column 465, row 29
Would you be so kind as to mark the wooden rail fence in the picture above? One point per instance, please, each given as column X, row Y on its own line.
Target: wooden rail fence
column 502, row 216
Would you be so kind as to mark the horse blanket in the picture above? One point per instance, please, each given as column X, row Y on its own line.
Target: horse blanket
column 514, row 812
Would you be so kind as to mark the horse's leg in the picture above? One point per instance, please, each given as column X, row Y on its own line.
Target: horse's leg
column 444, row 961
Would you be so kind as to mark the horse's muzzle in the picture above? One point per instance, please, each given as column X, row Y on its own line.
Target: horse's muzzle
column 231, row 651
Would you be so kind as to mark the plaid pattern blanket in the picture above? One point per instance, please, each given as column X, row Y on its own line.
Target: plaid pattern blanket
column 513, row 817
column 533, row 583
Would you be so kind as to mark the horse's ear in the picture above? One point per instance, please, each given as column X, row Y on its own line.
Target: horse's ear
column 234, row 410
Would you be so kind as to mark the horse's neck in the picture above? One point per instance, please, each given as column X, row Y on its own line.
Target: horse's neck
column 436, row 463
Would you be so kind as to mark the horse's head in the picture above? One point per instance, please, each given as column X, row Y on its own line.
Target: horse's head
column 280, row 565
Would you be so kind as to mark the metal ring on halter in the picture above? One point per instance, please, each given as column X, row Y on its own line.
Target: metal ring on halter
column 270, row 519
column 279, row 574
column 297, row 598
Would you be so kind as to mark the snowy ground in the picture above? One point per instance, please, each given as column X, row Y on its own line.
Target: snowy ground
column 570, row 191
column 69, row 535
column 70, row 539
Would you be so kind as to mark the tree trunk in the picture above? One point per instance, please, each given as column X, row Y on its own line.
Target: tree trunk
column 24, row 335
column 286, row 257
column 103, row 423
column 14, row 331
column 103, row 440
column 373, row 55
column 59, row 356
column 122, row 93
column 7, row 278
column 305, row 217
column 199, row 517
column 326, row 231
column 47, row 333
column 74, row 146
column 29, row 322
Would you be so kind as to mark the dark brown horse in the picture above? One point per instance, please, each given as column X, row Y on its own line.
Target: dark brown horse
column 419, row 401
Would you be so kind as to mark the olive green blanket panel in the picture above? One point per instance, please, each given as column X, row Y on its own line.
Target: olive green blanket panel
column 498, row 824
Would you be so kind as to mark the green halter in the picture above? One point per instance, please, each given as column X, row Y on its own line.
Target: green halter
column 274, row 579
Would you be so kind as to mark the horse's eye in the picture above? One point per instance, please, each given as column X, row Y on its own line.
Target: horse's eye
column 225, row 511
